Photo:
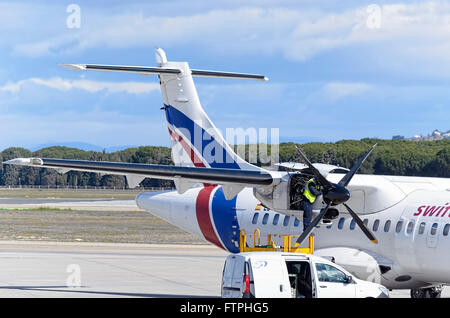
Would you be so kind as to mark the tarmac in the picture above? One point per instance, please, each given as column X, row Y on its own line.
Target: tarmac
column 86, row 270
column 34, row 269
column 39, row 269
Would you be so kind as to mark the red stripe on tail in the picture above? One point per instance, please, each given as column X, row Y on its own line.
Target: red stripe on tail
column 194, row 158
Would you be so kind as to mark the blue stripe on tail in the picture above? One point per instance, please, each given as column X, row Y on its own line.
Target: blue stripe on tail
column 205, row 141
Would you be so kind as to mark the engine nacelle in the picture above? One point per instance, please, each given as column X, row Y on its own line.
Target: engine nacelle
column 286, row 196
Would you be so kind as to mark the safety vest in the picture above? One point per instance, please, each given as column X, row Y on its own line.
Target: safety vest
column 311, row 197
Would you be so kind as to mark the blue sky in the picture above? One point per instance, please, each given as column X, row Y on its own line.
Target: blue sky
column 337, row 69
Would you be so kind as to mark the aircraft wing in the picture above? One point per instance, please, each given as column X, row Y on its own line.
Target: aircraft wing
column 184, row 177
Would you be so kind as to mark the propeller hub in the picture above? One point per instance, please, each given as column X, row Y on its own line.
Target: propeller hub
column 337, row 194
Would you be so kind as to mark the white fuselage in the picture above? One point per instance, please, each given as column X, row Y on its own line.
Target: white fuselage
column 409, row 216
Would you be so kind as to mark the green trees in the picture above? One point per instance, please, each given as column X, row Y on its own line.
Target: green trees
column 440, row 164
column 15, row 175
column 390, row 157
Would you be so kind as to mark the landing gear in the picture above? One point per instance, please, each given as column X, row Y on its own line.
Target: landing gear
column 433, row 292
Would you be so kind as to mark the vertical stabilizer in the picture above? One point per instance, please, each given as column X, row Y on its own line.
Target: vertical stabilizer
column 194, row 138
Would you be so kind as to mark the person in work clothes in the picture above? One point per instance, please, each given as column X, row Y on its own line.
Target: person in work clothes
column 310, row 192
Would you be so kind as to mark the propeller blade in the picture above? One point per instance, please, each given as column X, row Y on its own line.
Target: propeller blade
column 320, row 178
column 313, row 224
column 361, row 224
column 346, row 179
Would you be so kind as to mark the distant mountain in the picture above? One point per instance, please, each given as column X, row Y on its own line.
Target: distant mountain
column 435, row 135
column 83, row 146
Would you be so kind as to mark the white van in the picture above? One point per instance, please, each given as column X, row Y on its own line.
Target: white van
column 292, row 275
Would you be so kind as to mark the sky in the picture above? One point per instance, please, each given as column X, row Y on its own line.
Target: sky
column 337, row 69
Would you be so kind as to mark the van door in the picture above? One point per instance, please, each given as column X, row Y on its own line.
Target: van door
column 300, row 278
column 232, row 276
column 270, row 277
column 238, row 276
column 331, row 282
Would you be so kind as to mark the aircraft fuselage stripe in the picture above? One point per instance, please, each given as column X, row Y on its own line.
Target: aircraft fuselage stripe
column 223, row 214
column 203, row 217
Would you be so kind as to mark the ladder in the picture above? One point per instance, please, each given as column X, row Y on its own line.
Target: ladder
column 271, row 247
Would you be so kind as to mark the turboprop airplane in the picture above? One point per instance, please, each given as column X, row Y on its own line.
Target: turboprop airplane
column 218, row 194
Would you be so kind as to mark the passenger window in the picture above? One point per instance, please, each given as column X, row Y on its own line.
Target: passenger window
column 366, row 221
column 341, row 223
column 286, row 220
column 327, row 273
column 446, row 228
column 265, row 218
column 296, row 222
column 275, row 219
column 399, row 226
column 421, row 228
column 376, row 224
column 410, row 227
column 255, row 218
column 434, row 229
column 352, row 225
column 387, row 225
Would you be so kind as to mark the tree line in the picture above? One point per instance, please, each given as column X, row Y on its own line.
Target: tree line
column 390, row 157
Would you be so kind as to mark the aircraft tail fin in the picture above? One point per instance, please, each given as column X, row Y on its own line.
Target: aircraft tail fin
column 195, row 140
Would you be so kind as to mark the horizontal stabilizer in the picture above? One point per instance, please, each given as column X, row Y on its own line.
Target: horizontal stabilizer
column 228, row 75
column 145, row 70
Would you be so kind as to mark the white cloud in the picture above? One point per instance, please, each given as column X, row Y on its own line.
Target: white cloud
column 297, row 33
column 86, row 85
